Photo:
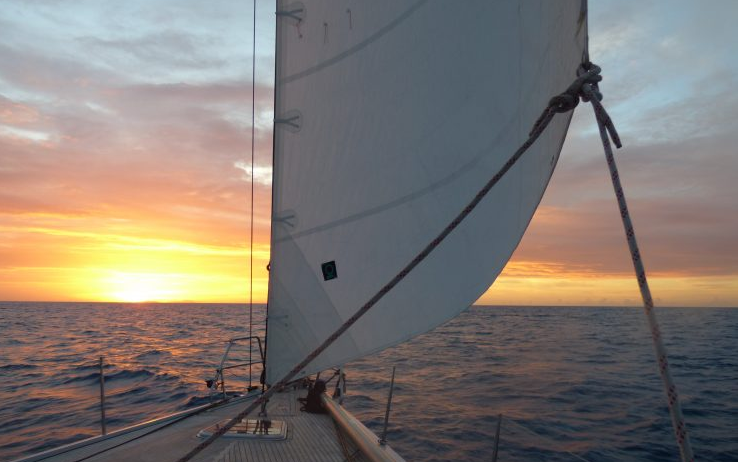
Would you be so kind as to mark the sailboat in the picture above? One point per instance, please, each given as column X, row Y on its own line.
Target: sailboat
column 389, row 117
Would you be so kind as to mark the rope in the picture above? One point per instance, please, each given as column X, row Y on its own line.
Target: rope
column 251, row 232
column 607, row 132
column 548, row 114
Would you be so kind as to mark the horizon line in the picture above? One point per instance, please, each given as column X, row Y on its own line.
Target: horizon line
column 246, row 303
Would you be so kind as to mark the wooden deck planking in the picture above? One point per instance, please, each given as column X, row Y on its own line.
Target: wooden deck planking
column 310, row 437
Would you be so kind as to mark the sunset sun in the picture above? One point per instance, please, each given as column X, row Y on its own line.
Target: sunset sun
column 143, row 287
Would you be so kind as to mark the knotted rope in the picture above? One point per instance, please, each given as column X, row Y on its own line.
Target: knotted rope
column 584, row 87
column 590, row 91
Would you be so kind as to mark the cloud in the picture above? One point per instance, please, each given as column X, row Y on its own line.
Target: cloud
column 79, row 136
column 678, row 169
column 163, row 49
column 136, row 123
column 17, row 114
column 262, row 173
column 163, row 154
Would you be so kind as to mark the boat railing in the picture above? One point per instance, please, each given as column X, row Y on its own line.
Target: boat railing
column 218, row 384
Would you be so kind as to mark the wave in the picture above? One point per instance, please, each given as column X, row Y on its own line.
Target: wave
column 125, row 374
column 18, row 367
column 150, row 354
column 90, row 367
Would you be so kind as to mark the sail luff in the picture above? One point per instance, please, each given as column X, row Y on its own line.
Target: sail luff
column 277, row 54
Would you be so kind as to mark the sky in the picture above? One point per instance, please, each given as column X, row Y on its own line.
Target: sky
column 125, row 134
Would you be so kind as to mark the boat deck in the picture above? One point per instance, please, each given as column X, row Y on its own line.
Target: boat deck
column 309, row 437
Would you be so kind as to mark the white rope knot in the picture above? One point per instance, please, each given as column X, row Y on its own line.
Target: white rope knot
column 589, row 91
column 590, row 73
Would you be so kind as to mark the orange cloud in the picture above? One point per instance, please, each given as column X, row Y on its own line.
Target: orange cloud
column 13, row 113
column 610, row 291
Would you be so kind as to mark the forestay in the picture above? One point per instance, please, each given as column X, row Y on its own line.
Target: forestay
column 389, row 116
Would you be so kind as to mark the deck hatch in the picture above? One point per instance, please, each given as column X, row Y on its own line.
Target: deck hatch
column 261, row 429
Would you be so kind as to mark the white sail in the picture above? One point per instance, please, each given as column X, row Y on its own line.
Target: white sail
column 390, row 116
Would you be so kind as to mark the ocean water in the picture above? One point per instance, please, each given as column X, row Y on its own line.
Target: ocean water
column 570, row 383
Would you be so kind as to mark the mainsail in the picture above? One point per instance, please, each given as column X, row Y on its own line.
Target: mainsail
column 389, row 116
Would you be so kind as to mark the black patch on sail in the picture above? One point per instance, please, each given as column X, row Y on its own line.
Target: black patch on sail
column 329, row 270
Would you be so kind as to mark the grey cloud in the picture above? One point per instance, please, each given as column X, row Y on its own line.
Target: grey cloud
column 678, row 167
column 162, row 50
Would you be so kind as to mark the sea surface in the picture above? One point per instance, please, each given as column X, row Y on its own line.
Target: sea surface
column 571, row 384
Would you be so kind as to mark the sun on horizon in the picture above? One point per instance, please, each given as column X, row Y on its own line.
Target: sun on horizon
column 143, row 287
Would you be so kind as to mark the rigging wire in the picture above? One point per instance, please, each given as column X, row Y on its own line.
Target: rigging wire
column 251, row 232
